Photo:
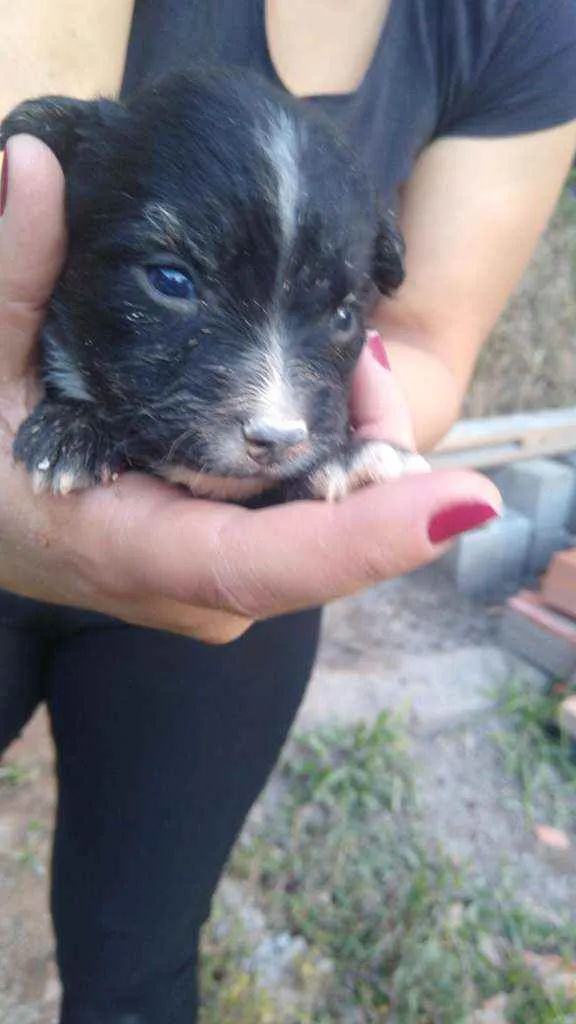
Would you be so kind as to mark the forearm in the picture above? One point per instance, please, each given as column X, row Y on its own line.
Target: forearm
column 433, row 391
column 72, row 47
column 471, row 216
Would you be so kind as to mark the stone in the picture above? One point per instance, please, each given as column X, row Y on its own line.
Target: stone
column 542, row 489
column 491, row 562
column 541, row 636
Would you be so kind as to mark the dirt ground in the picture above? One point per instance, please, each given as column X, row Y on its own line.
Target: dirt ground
column 530, row 363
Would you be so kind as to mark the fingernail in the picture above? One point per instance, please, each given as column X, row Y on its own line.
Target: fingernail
column 376, row 346
column 4, row 182
column 455, row 519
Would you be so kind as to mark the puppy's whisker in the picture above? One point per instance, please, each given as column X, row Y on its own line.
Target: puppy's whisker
column 184, row 436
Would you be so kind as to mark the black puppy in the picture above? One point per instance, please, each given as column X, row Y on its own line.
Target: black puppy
column 223, row 246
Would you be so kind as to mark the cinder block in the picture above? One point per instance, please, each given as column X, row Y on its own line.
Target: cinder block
column 490, row 562
column 542, row 489
column 570, row 460
column 541, row 636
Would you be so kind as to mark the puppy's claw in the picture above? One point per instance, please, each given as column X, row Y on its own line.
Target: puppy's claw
column 65, row 449
column 362, row 463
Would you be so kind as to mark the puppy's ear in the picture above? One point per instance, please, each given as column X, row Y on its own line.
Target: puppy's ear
column 59, row 121
column 388, row 257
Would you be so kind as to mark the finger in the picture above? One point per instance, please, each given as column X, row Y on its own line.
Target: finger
column 32, row 247
column 262, row 563
column 207, row 624
column 378, row 408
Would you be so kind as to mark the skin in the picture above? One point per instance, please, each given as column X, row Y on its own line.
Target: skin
column 142, row 551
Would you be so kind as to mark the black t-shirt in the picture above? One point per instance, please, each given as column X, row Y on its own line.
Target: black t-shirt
column 441, row 67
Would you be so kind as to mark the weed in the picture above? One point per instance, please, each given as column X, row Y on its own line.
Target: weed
column 537, row 754
column 13, row 774
column 341, row 861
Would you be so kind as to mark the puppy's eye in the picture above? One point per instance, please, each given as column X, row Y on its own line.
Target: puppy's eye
column 171, row 282
column 345, row 323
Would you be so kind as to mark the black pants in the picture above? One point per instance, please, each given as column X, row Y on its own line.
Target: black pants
column 162, row 745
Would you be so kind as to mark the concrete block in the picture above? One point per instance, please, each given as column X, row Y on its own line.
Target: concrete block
column 542, row 489
column 570, row 460
column 491, row 562
column 541, row 636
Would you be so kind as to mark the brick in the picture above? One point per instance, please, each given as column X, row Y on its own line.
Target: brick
column 545, row 544
column 491, row 562
column 542, row 489
column 541, row 636
column 567, row 716
column 559, row 584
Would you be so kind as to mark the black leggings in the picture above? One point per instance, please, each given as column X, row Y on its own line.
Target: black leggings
column 162, row 745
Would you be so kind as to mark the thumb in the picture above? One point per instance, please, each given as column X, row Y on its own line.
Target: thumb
column 32, row 247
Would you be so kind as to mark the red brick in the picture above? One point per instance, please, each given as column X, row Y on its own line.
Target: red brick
column 532, row 606
column 559, row 583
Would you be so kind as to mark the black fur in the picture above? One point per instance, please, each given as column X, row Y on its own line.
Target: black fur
column 182, row 175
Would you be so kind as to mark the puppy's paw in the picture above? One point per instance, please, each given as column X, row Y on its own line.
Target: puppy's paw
column 361, row 463
column 65, row 448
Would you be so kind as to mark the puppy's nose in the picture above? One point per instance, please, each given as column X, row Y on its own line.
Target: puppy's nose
column 269, row 439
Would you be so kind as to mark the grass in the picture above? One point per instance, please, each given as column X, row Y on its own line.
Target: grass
column 13, row 774
column 539, row 757
column 387, row 928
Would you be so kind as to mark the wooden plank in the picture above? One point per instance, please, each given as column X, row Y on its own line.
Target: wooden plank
column 497, row 440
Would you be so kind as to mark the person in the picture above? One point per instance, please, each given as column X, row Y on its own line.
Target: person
column 171, row 639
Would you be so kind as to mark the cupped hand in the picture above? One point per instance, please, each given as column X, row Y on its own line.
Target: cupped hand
column 149, row 554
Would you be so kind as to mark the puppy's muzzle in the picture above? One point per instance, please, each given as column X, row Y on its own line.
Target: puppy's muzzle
column 271, row 441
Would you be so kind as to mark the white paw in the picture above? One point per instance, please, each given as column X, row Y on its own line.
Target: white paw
column 368, row 462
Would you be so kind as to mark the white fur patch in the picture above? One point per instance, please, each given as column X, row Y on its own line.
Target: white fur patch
column 281, row 144
column 272, row 396
column 372, row 463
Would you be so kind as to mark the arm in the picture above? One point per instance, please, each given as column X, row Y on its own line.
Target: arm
column 471, row 214
column 70, row 47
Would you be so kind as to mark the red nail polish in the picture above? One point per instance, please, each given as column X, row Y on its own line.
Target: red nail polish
column 455, row 519
column 376, row 346
column 4, row 182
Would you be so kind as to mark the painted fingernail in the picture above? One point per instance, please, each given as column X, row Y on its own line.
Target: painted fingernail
column 376, row 346
column 455, row 519
column 4, row 182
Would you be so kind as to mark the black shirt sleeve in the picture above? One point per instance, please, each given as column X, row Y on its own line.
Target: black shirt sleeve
column 521, row 71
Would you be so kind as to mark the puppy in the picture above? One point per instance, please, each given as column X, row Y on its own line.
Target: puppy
column 224, row 246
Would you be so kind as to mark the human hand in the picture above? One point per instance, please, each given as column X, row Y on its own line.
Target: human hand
column 149, row 554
